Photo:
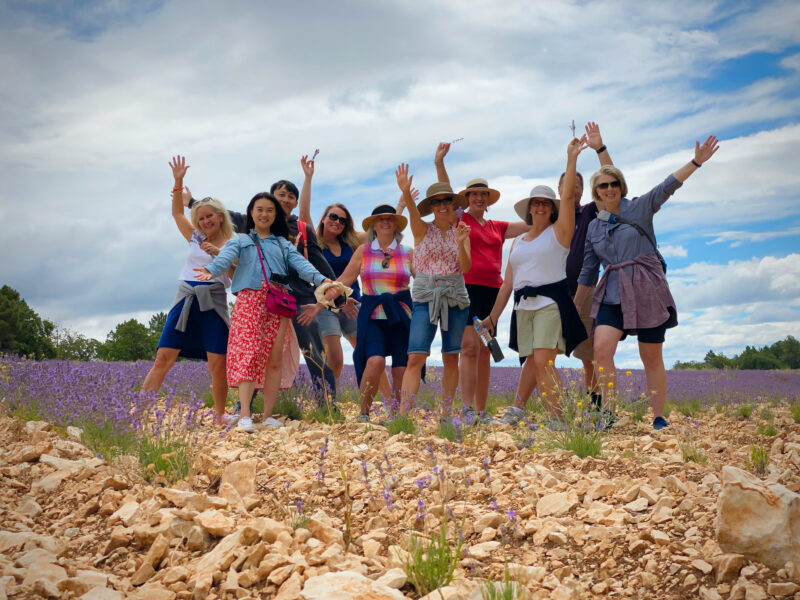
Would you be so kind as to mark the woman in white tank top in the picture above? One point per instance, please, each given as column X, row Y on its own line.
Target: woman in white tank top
column 538, row 260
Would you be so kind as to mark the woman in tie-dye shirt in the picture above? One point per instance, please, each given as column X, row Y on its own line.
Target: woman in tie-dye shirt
column 385, row 314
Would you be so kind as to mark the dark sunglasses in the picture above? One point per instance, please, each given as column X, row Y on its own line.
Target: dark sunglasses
column 607, row 184
column 334, row 217
column 537, row 202
column 386, row 258
column 438, row 201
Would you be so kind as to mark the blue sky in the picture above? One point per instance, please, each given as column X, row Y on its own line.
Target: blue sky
column 99, row 95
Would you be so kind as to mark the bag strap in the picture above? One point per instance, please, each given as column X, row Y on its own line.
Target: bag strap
column 302, row 234
column 260, row 255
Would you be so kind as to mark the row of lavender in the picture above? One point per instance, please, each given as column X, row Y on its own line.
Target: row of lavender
column 72, row 392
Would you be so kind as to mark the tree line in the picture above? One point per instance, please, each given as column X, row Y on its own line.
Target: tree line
column 23, row 332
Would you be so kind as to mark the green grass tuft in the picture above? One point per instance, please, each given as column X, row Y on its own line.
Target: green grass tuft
column 401, row 424
column 759, row 460
column 431, row 563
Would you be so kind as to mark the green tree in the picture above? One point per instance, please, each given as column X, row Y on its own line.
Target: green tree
column 70, row 345
column 22, row 331
column 762, row 359
column 128, row 341
column 788, row 351
column 155, row 326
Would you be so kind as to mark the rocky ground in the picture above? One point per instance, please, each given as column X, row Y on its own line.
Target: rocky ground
column 265, row 516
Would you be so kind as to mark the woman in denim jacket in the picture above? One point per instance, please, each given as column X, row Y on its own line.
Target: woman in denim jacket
column 255, row 332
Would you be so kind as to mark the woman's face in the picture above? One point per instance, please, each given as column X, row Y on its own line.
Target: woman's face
column 208, row 221
column 541, row 209
column 609, row 191
column 263, row 215
column 443, row 209
column 384, row 224
column 478, row 200
column 335, row 221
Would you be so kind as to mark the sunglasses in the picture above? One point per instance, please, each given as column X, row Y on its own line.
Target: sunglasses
column 445, row 201
column 386, row 258
column 608, row 184
column 334, row 217
column 537, row 202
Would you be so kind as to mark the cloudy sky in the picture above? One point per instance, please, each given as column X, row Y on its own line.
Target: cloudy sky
column 97, row 96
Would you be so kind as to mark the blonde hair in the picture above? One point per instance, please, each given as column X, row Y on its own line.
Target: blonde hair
column 225, row 228
column 348, row 235
column 612, row 171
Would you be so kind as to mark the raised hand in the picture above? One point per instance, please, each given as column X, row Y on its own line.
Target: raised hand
column 414, row 194
column 576, row 146
column 403, row 178
column 441, row 151
column 202, row 274
column 179, row 167
column 462, row 232
column 187, row 196
column 307, row 165
column 707, row 150
column 593, row 137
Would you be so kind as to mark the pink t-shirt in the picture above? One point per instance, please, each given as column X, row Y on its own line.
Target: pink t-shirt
column 486, row 250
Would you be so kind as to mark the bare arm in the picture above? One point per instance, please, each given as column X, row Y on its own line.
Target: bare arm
column 701, row 155
column 401, row 203
column 516, row 229
column 565, row 224
column 179, row 168
column 595, row 142
column 462, row 237
column 438, row 160
column 304, row 202
column 581, row 295
column 353, row 268
column 418, row 227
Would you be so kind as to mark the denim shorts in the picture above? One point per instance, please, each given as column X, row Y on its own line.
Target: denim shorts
column 382, row 339
column 611, row 315
column 423, row 331
column 331, row 323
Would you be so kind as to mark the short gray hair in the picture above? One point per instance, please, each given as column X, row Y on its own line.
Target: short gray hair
column 371, row 235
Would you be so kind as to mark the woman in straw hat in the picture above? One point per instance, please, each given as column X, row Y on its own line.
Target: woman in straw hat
column 384, row 317
column 633, row 295
column 483, row 281
column 441, row 256
column 547, row 321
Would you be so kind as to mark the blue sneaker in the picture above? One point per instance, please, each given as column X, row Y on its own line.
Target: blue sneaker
column 660, row 423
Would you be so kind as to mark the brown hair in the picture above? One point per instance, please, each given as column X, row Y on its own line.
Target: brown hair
column 348, row 235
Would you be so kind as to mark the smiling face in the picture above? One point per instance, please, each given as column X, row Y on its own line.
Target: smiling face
column 263, row 215
column 478, row 201
column 208, row 221
column 287, row 199
column 335, row 222
column 384, row 225
column 540, row 210
column 443, row 210
column 608, row 190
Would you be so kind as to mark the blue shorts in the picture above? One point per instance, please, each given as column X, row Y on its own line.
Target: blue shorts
column 611, row 315
column 382, row 339
column 331, row 323
column 423, row 331
column 205, row 331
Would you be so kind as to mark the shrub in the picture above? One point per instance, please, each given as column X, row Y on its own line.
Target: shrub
column 431, row 564
column 508, row 589
column 744, row 411
column 767, row 429
column 168, row 458
column 689, row 408
column 401, row 423
column 759, row 460
column 286, row 405
column 795, row 410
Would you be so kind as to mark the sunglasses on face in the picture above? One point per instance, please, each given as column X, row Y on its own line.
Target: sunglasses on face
column 537, row 202
column 445, row 201
column 333, row 217
column 386, row 258
column 609, row 184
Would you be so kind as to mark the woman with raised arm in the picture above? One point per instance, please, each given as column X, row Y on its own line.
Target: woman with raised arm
column 256, row 342
column 197, row 324
column 441, row 256
column 632, row 297
column 483, row 281
column 385, row 312
column 546, row 319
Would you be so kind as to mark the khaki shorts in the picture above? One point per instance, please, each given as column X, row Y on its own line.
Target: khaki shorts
column 539, row 329
column 585, row 350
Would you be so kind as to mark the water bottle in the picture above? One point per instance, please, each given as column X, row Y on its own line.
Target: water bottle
column 488, row 340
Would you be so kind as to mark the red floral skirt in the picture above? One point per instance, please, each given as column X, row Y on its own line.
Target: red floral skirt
column 252, row 334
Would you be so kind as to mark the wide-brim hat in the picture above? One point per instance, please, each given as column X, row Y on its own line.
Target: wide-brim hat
column 539, row 191
column 440, row 190
column 480, row 185
column 385, row 209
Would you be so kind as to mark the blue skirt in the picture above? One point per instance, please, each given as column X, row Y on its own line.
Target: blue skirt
column 205, row 331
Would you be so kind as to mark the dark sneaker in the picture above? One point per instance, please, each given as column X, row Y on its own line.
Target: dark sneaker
column 513, row 416
column 468, row 416
column 604, row 419
column 484, row 418
column 363, row 418
column 660, row 423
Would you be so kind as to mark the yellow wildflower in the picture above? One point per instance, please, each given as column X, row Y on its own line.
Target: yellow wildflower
column 610, row 384
column 627, row 372
column 580, row 403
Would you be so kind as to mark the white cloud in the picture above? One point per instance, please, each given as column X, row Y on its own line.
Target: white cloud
column 670, row 251
column 737, row 238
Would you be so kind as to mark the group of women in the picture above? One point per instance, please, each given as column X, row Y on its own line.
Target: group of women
column 455, row 266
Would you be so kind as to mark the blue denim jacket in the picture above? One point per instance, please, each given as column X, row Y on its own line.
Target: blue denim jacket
column 278, row 252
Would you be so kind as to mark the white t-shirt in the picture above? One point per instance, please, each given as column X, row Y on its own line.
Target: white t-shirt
column 537, row 262
column 198, row 258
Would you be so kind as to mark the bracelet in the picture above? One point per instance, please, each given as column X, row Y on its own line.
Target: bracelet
column 696, row 164
column 601, row 149
column 177, row 189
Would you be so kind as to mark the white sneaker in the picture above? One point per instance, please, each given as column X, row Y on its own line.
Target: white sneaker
column 272, row 422
column 246, row 424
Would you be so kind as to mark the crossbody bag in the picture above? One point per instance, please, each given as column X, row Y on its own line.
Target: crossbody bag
column 279, row 300
column 605, row 215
